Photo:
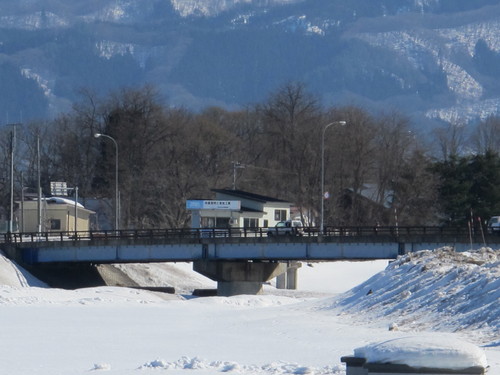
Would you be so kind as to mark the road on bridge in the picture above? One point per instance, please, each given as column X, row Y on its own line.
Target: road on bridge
column 164, row 245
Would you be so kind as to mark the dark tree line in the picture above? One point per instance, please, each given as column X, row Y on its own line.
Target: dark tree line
column 377, row 168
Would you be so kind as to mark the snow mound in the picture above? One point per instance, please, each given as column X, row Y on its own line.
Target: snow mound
column 101, row 366
column 275, row 368
column 424, row 351
column 437, row 290
column 11, row 274
column 15, row 296
column 249, row 301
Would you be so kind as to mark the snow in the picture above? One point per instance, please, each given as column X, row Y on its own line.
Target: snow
column 61, row 200
column 422, row 351
column 209, row 8
column 433, row 307
column 421, row 49
column 437, row 291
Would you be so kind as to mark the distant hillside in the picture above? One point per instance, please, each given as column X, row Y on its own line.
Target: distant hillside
column 431, row 59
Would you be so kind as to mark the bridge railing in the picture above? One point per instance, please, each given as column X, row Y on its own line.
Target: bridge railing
column 360, row 232
column 174, row 233
column 395, row 231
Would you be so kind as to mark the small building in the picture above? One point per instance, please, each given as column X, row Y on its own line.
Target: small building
column 238, row 209
column 369, row 202
column 57, row 215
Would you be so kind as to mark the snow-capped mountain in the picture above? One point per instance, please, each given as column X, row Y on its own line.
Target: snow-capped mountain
column 432, row 59
column 210, row 8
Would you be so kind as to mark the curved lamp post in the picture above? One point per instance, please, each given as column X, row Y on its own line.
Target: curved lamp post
column 117, row 210
column 342, row 123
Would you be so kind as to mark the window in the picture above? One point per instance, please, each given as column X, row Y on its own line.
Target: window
column 207, row 222
column 279, row 215
column 55, row 224
column 214, row 222
column 250, row 223
column 222, row 222
column 266, row 223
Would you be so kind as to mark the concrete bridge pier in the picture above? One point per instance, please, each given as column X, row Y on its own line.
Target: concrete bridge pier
column 288, row 280
column 239, row 277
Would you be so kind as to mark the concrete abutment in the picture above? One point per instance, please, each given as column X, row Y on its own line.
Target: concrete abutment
column 239, row 277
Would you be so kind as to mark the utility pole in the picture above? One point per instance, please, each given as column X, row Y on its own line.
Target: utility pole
column 22, row 203
column 39, row 188
column 12, row 142
column 76, row 212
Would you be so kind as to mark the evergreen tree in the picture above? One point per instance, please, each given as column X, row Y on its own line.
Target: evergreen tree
column 469, row 184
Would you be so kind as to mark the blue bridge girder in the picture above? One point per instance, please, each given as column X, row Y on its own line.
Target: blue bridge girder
column 174, row 245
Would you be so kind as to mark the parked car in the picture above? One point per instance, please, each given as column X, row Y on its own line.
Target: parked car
column 287, row 228
column 214, row 232
column 494, row 225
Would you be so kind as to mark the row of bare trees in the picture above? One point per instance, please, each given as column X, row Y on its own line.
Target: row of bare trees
column 376, row 166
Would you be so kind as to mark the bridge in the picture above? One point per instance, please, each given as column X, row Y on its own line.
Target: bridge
column 239, row 259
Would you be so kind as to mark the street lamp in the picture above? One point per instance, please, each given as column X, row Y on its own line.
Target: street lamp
column 342, row 123
column 117, row 209
column 12, row 149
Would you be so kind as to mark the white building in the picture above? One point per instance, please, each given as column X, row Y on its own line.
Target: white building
column 238, row 209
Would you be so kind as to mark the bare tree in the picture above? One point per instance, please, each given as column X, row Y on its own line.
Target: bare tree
column 290, row 125
column 450, row 139
column 394, row 142
column 486, row 136
column 168, row 155
column 135, row 119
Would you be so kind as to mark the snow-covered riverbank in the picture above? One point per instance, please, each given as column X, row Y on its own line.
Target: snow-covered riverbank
column 127, row 331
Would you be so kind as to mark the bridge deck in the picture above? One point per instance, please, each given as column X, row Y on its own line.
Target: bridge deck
column 236, row 244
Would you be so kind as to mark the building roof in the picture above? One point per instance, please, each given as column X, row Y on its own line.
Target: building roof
column 247, row 195
column 370, row 192
column 56, row 203
column 248, row 209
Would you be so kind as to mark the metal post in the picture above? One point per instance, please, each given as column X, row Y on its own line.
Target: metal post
column 321, row 228
column 117, row 198
column 11, row 213
column 39, row 187
column 22, row 202
column 76, row 212
column 117, row 193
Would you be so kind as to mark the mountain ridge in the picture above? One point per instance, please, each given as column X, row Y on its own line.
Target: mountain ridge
column 432, row 60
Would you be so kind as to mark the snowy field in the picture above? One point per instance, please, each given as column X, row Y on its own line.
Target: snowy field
column 339, row 308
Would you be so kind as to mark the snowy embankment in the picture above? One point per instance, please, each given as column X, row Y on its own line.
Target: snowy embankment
column 437, row 290
column 431, row 294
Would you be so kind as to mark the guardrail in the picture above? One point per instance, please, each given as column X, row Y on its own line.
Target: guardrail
column 392, row 232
